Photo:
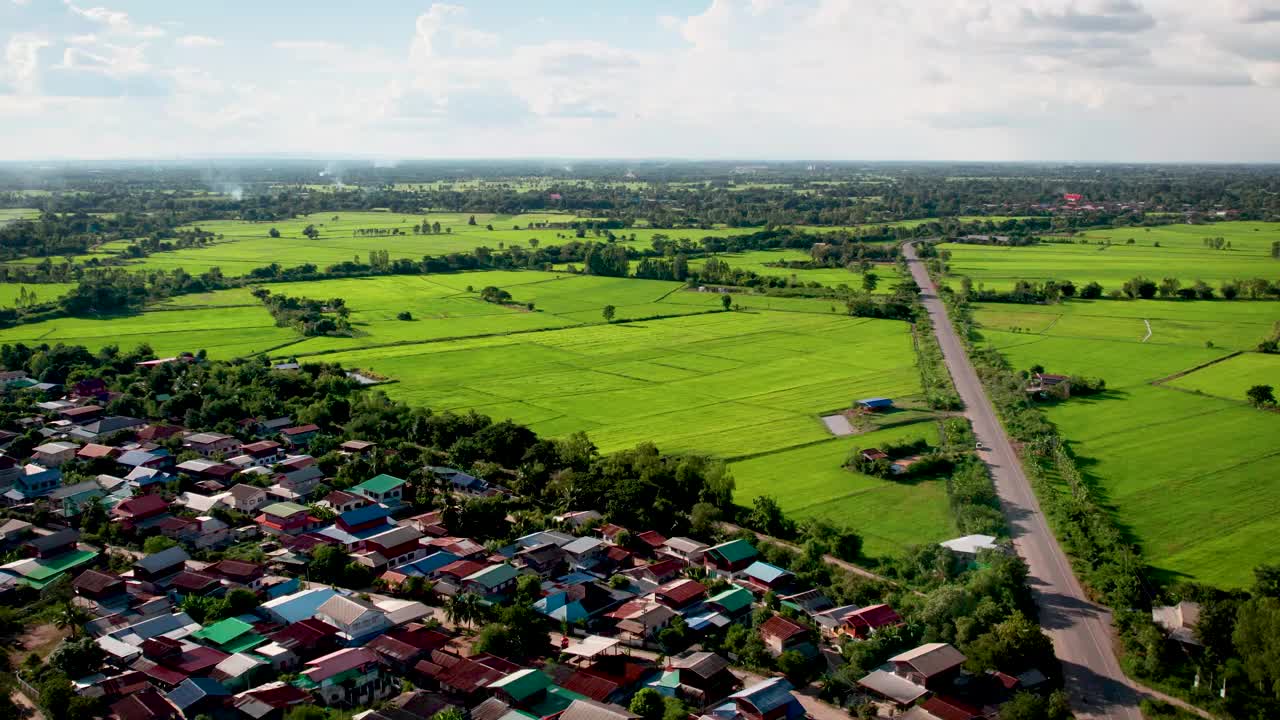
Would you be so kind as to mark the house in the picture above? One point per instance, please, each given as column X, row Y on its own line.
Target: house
column 680, row 594
column 90, row 388
column 968, row 547
column 187, row 583
column 1049, row 385
column 299, row 436
column 857, row 622
column 286, row 518
column 584, row 552
column 231, row 635
column 810, row 602
column 80, row 413
column 649, row 542
column 94, row 451
column 240, row 670
column 145, row 705
column 303, row 640
column 296, row 607
column 240, row 572
column 770, row 699
column 702, row 677
column 640, row 619
column 270, row 701
column 491, row 582
column 246, row 498
column 9, row 471
column 762, row 577
column 209, row 444
column 399, row 544
column 874, row 454
column 350, row 677
column 13, row 531
column 729, row 558
column 356, row 447
column 356, row 620
column 98, row 585
column 204, row 469
column 108, row 426
column 780, row 635
column 578, row 519
column 341, row 501
column 155, row 459
column 158, row 566
column 546, row 559
column 51, row 544
column 684, row 548
column 939, row 707
column 70, row 500
column 136, row 511
column 263, row 453
column 155, row 433
column 198, row 695
column 464, row 677
column 383, row 489
column 460, row 481
column 1179, row 621
column 53, row 454
column 298, row 478
column 32, row 482
column 875, row 404
column 931, row 666
column 732, row 603
column 585, row 709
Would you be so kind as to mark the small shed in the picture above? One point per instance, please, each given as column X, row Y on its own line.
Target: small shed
column 876, row 404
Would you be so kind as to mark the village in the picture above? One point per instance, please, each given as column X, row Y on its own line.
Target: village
column 229, row 618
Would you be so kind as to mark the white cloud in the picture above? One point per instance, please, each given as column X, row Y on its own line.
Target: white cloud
column 22, row 60
column 116, row 21
column 199, row 41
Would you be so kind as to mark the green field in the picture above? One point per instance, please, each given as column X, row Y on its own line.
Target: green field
column 1181, row 254
column 1188, row 474
column 756, row 261
column 811, row 482
column 11, row 214
column 44, row 292
column 1232, row 377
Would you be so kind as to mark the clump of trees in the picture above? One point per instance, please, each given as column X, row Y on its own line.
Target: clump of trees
column 308, row 316
column 1261, row 396
column 495, row 295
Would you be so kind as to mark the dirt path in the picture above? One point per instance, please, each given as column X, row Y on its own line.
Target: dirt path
column 1148, row 324
column 22, row 701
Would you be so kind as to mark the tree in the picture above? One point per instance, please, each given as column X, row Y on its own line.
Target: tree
column 306, row 712
column 452, row 713
column 1261, row 395
column 870, row 281
column 647, row 704
column 726, row 300
column 1030, row 706
column 796, row 667
column 464, row 609
column 1266, row 581
column 311, row 232
column 1010, row 646
column 274, row 233
column 71, row 617
column 157, row 543
column 1092, row 291
column 471, row 220
column 1257, row 639
column 78, row 658
column 404, row 315
column 767, row 517
column 609, row 312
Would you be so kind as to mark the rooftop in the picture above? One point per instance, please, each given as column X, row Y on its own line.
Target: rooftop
column 379, row 484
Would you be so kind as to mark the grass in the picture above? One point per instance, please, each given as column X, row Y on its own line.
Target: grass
column 44, row 292
column 11, row 214
column 1187, row 474
column 1180, row 254
column 811, row 482
column 757, row 261
column 1231, row 378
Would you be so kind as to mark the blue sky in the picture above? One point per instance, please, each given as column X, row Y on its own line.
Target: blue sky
column 1076, row 80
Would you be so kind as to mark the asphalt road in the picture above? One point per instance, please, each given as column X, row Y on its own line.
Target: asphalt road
column 1081, row 630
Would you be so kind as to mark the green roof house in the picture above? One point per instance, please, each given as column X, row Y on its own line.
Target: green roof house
column 491, row 582
column 733, row 601
column 385, row 489
column 730, row 558
column 230, row 636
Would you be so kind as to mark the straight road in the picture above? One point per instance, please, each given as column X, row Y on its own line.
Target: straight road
column 1081, row 630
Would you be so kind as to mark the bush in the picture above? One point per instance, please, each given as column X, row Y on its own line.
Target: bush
column 404, row 315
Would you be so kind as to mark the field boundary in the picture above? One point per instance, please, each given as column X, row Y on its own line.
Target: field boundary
column 1201, row 366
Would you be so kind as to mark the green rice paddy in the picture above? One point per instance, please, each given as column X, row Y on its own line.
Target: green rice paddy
column 1181, row 254
column 810, row 482
column 1186, row 464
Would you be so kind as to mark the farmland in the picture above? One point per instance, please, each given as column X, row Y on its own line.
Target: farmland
column 9, row 292
column 811, row 482
column 1180, row 253
column 1186, row 473
column 757, row 262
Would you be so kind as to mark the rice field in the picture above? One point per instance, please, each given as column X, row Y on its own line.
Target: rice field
column 9, row 292
column 757, row 261
column 1186, row 464
column 1157, row 252
column 811, row 482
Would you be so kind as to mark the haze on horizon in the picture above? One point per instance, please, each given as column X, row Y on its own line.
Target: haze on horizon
column 1021, row 80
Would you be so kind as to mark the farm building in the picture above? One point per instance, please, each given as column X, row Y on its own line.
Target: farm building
column 876, row 404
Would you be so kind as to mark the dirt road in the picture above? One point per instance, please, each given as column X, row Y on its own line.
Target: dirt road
column 1081, row 630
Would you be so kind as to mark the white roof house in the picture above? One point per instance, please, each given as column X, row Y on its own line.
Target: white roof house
column 971, row 544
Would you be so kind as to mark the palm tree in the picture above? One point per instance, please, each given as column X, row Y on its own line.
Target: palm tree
column 71, row 617
column 464, row 608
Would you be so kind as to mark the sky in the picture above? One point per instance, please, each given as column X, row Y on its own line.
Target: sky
column 999, row 80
